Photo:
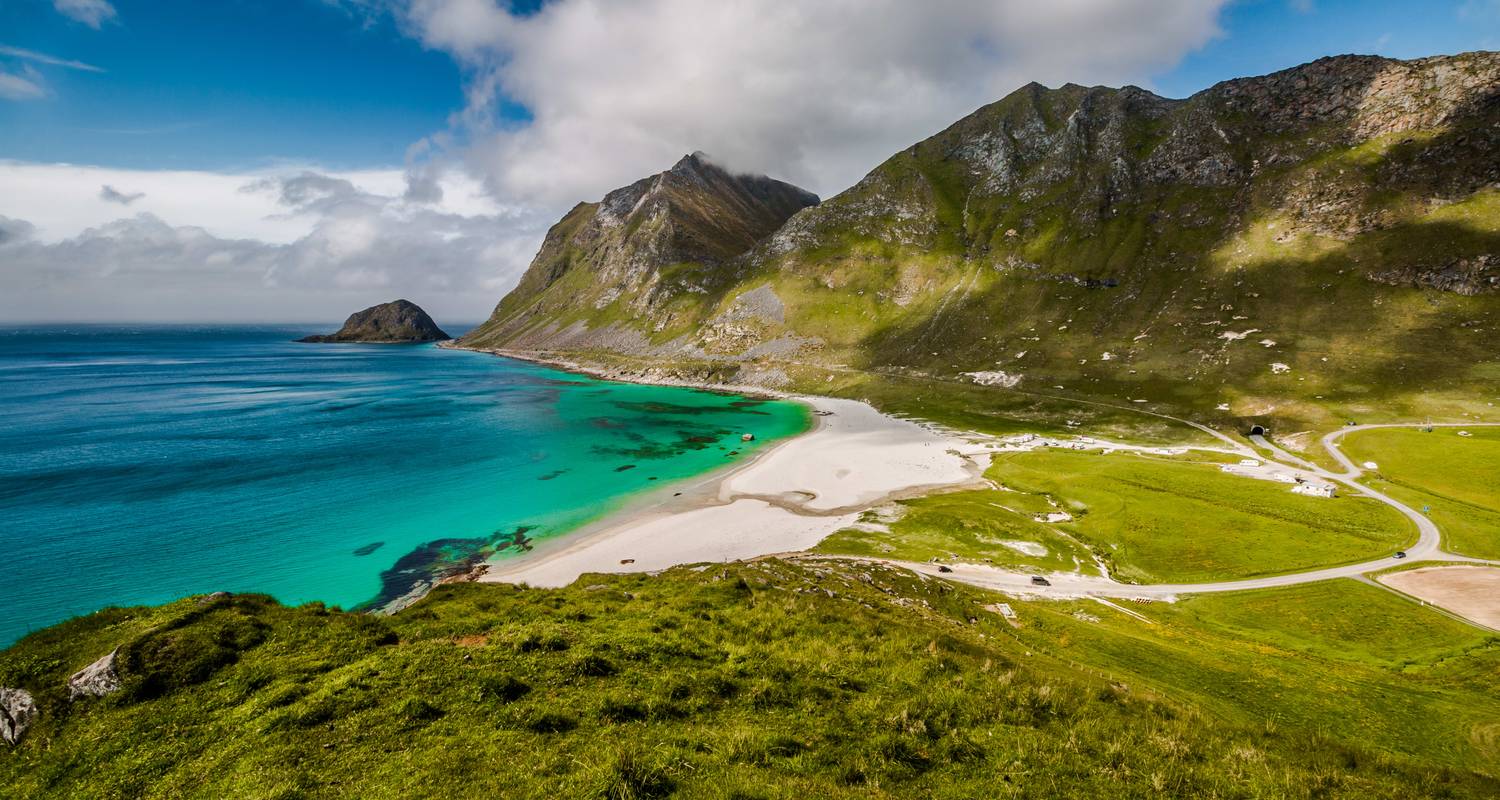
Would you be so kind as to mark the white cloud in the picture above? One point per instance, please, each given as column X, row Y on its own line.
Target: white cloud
column 25, row 85
column 297, row 245
column 816, row 92
column 92, row 13
column 43, row 58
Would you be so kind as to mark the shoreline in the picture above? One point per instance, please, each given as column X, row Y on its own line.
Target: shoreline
column 786, row 498
column 567, row 365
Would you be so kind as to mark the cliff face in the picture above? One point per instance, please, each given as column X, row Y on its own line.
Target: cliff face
column 397, row 321
column 1340, row 219
column 642, row 250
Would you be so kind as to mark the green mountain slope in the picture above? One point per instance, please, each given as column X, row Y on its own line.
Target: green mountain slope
column 769, row 679
column 1321, row 241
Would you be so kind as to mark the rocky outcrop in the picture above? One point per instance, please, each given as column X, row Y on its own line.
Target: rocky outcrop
column 1464, row 276
column 97, row 679
column 17, row 712
column 395, row 322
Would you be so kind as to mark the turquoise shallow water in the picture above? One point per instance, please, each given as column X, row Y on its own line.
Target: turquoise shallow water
column 138, row 465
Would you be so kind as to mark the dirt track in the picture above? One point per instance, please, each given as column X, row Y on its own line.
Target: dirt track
column 1472, row 592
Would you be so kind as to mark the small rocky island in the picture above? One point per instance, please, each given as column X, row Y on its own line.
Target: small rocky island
column 395, row 322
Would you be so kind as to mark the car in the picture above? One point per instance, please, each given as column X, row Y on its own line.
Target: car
column 944, row 568
column 1037, row 580
column 1400, row 554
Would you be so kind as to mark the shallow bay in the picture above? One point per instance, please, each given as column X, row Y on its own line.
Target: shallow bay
column 141, row 464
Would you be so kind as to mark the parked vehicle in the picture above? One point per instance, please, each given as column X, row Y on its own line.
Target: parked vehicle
column 1400, row 554
column 1037, row 580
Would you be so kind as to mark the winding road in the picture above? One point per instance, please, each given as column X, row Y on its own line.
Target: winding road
column 1428, row 546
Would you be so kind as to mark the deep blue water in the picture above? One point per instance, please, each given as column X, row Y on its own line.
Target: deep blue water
column 139, row 465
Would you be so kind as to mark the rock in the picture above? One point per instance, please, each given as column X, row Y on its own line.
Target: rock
column 397, row 321
column 96, row 680
column 17, row 712
column 210, row 599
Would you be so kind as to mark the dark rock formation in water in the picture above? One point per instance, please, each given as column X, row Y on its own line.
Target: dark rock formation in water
column 398, row 321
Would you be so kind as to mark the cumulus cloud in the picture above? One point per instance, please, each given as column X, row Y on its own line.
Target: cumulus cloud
column 357, row 247
column 92, row 13
column 814, row 91
column 110, row 194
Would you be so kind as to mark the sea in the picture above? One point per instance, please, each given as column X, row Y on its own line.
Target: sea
column 141, row 464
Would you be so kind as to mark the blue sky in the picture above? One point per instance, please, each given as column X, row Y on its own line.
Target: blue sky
column 224, row 84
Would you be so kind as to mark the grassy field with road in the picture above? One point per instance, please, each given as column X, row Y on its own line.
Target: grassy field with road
column 1150, row 519
column 1458, row 477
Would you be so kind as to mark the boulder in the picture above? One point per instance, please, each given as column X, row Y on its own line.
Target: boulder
column 96, row 680
column 210, row 599
column 17, row 711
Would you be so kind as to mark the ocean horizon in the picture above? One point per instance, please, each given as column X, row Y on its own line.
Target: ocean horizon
column 142, row 463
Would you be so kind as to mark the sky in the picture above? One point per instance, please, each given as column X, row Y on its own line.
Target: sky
column 295, row 160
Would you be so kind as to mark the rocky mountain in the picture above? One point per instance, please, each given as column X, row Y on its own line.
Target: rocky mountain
column 645, row 259
column 394, row 322
column 1327, row 236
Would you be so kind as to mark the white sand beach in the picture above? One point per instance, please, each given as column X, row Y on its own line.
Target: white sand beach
column 787, row 499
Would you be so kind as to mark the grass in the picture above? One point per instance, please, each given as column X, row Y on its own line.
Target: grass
column 1158, row 521
column 1150, row 519
column 977, row 526
column 770, row 679
column 1456, row 477
column 1341, row 657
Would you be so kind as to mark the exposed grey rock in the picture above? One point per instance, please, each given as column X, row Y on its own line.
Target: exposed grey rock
column 397, row 321
column 96, row 680
column 1467, row 276
column 210, row 599
column 17, row 712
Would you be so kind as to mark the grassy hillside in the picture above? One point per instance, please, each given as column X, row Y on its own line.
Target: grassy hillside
column 769, row 679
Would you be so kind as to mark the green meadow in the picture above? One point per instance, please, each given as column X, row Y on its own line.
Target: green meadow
column 1350, row 660
column 1456, row 477
column 1150, row 519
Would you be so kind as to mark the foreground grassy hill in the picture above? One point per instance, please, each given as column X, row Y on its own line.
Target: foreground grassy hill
column 1298, row 248
column 766, row 679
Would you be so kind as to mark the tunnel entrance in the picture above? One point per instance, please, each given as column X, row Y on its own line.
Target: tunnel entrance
column 1257, row 430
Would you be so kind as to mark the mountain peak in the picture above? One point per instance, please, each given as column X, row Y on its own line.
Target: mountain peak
column 671, row 234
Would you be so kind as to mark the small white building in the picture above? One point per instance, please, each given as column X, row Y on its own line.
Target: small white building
column 1314, row 489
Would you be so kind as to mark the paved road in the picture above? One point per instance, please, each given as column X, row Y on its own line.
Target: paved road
column 1428, row 546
